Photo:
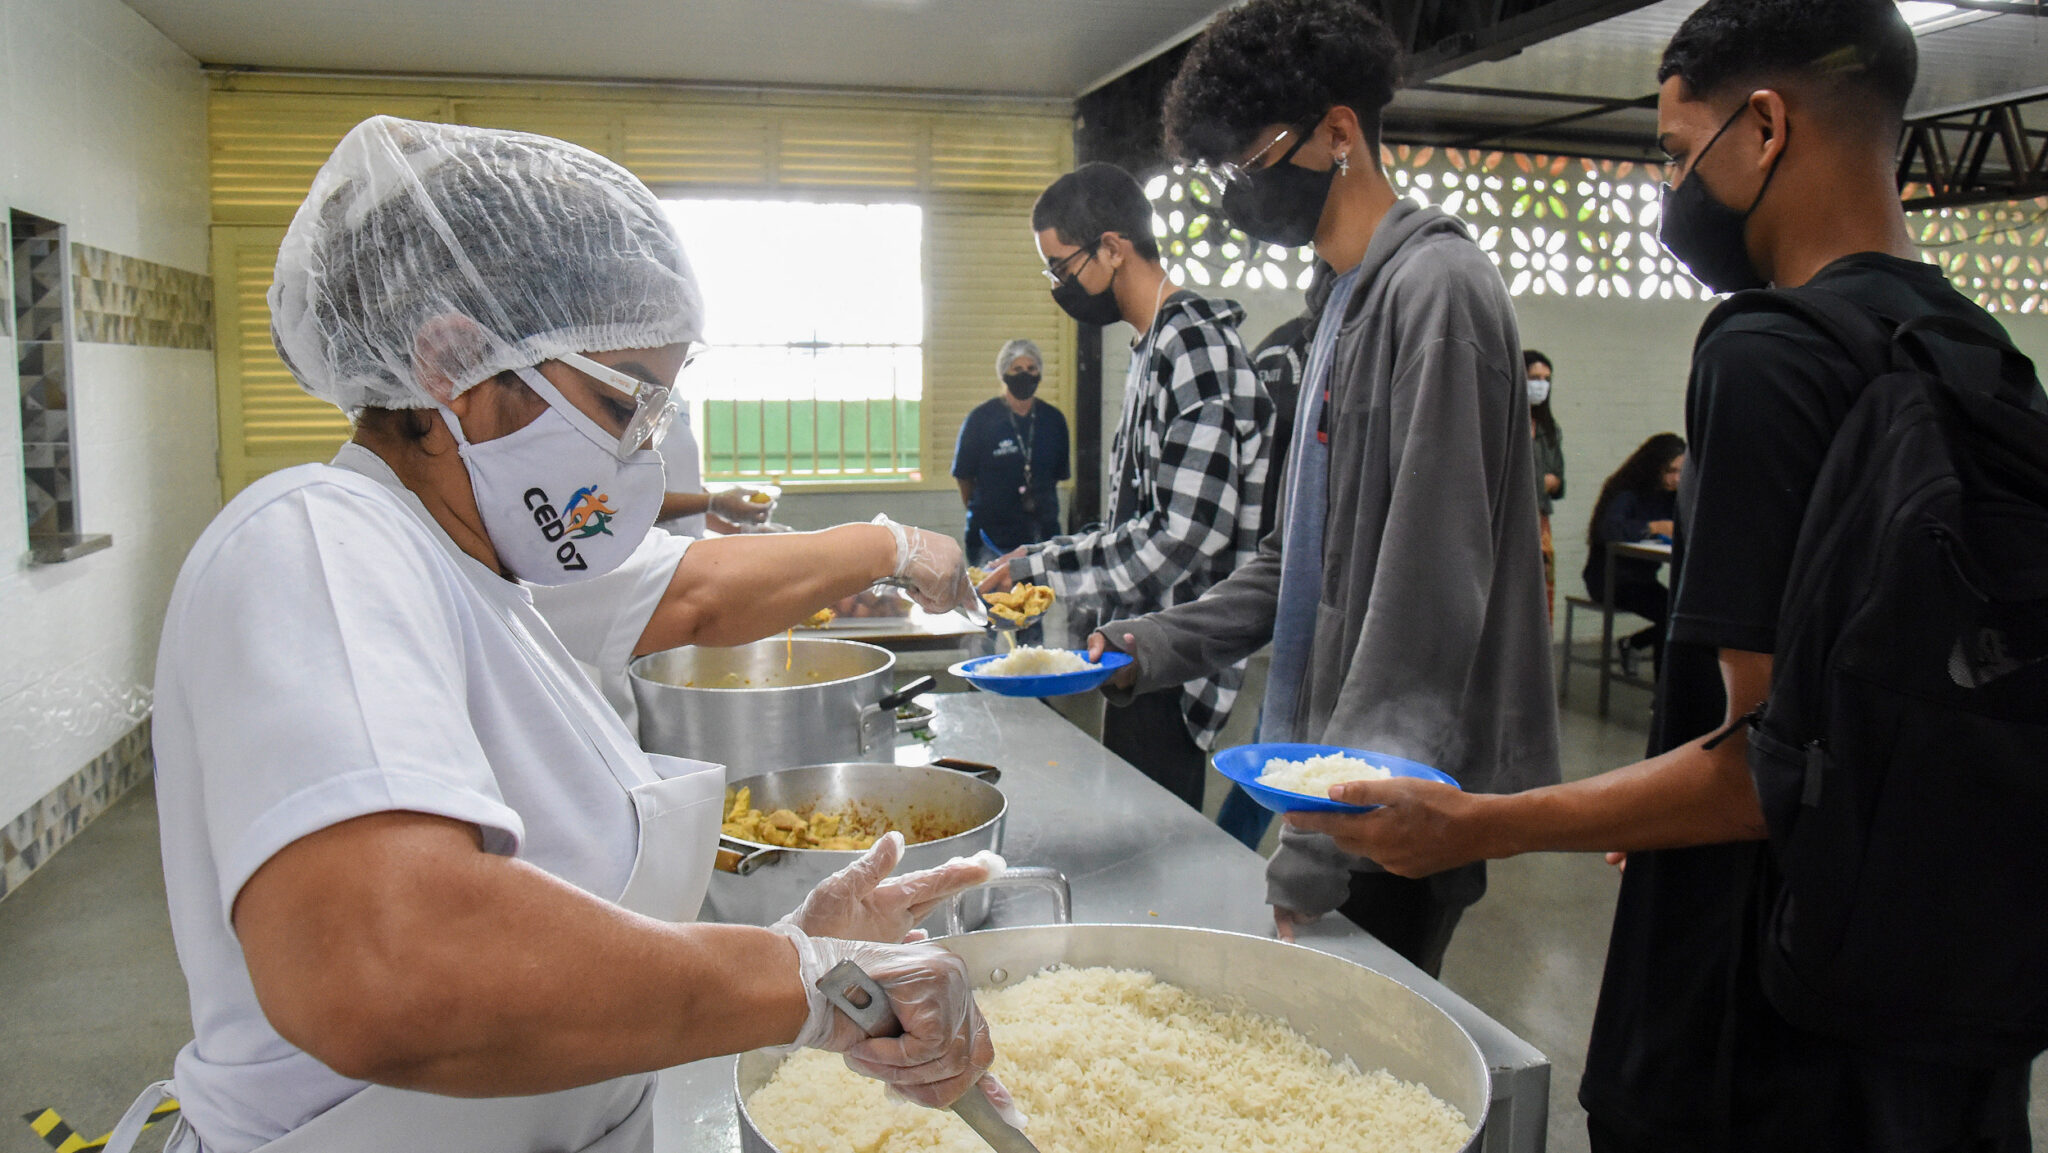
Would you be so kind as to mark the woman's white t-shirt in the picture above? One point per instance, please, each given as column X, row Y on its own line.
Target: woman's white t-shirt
column 329, row 653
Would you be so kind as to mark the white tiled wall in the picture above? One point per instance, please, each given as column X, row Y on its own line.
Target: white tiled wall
column 104, row 131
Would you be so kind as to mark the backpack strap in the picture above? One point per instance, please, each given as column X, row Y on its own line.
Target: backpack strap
column 1875, row 346
column 2014, row 377
column 1863, row 336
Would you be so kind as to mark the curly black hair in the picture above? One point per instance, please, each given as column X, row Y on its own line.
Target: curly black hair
column 1093, row 200
column 1862, row 47
column 1280, row 62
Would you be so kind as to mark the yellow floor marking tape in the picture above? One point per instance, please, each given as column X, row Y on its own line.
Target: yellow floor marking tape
column 64, row 1139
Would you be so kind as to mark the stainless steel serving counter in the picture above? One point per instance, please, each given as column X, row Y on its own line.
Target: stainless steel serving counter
column 1135, row 855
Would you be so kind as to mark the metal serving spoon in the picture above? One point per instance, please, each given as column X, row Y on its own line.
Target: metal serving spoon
column 850, row 990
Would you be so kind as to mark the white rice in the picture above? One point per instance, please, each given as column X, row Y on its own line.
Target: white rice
column 1032, row 661
column 1107, row 1061
column 1314, row 776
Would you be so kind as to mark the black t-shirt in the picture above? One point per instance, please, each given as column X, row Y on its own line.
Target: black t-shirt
column 1279, row 361
column 1684, row 1039
column 991, row 453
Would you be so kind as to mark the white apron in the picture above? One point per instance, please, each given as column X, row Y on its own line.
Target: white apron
column 678, row 827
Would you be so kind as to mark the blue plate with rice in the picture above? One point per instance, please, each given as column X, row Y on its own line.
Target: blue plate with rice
column 1244, row 763
column 1042, row 684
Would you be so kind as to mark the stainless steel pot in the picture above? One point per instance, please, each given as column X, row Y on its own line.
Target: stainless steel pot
column 770, row 704
column 1344, row 1007
column 755, row 884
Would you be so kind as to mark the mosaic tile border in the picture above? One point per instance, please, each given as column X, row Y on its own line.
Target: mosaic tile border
column 28, row 841
column 120, row 299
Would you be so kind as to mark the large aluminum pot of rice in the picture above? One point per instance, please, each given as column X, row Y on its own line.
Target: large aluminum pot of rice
column 1342, row 1007
column 943, row 813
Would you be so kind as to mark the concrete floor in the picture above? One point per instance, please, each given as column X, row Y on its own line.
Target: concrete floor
column 92, row 1006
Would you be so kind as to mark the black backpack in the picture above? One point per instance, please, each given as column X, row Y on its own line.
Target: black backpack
column 1902, row 755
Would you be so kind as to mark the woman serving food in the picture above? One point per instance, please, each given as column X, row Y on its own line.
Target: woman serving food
column 427, row 890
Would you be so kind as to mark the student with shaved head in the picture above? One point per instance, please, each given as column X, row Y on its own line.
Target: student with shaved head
column 1782, row 120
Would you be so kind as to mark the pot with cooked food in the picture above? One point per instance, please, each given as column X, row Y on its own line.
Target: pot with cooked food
column 783, row 701
column 787, row 830
column 1121, row 1038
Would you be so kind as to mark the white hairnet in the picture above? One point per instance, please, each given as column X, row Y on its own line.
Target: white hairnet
column 547, row 247
column 1013, row 350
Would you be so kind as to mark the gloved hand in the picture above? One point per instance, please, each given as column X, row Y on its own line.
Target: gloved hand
column 859, row 904
column 944, row 1048
column 931, row 568
column 743, row 504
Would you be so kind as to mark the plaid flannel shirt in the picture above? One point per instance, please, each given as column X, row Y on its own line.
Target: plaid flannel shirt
column 1191, row 458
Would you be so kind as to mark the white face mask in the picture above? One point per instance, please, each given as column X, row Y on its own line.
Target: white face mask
column 558, row 503
column 1539, row 390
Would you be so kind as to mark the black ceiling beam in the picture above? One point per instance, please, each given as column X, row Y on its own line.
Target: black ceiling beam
column 1507, row 93
column 1607, row 109
column 1576, row 148
column 1442, row 36
column 2005, row 7
column 1123, row 122
column 1975, row 156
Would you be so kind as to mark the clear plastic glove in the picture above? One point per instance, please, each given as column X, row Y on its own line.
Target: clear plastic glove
column 944, row 1048
column 860, row 903
column 931, row 568
column 744, row 504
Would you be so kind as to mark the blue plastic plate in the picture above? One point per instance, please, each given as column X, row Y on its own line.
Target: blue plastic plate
column 1244, row 763
column 1050, row 685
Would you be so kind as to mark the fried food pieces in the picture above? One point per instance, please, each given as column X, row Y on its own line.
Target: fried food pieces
column 1020, row 604
column 787, row 830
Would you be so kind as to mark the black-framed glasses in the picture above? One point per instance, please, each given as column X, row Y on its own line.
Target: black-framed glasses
column 1059, row 270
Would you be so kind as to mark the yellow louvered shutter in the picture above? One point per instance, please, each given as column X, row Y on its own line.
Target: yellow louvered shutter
column 1012, row 154
column 975, row 169
column 875, row 151
column 982, row 287
column 681, row 148
column 594, row 126
column 266, row 146
column 266, row 421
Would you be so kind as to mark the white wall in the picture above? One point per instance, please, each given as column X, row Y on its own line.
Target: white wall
column 104, row 131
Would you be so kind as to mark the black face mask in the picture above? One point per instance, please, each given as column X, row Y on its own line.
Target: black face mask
column 1710, row 238
column 1021, row 384
column 1281, row 203
column 1096, row 308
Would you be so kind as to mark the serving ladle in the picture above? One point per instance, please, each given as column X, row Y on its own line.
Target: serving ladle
column 990, row 620
column 860, row 997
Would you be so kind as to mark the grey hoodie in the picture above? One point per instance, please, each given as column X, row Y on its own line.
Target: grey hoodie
column 1432, row 641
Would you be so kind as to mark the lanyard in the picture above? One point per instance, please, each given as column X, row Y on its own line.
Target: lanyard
column 1135, row 399
column 1027, row 436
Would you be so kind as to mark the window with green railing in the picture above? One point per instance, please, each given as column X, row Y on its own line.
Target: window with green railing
column 813, row 359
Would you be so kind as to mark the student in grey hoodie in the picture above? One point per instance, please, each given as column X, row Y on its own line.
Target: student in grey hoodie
column 1403, row 588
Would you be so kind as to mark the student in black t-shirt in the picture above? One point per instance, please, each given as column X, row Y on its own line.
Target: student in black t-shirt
column 1637, row 503
column 1010, row 459
column 1782, row 119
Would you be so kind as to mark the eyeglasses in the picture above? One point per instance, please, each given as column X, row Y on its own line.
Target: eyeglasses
column 1059, row 270
column 1231, row 172
column 654, row 405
